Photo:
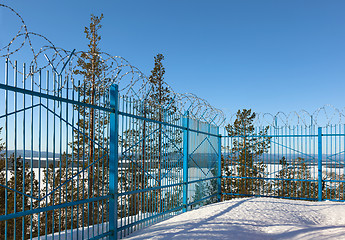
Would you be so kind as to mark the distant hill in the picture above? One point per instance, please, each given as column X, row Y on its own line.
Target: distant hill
column 35, row 154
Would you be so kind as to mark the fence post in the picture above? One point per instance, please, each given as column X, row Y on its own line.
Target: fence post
column 185, row 160
column 319, row 164
column 219, row 180
column 113, row 160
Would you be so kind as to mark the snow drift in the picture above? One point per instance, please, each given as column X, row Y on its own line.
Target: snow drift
column 254, row 219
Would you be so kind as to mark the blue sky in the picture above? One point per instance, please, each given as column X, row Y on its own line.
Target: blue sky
column 266, row 55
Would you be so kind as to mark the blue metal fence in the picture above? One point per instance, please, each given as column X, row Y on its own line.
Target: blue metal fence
column 167, row 163
column 77, row 164
column 73, row 166
column 300, row 162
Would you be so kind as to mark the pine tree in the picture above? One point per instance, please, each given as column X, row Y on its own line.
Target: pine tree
column 202, row 189
column 282, row 187
column 2, row 146
column 288, row 187
column 213, row 187
column 244, row 163
column 20, row 180
column 162, row 108
column 63, row 218
column 87, row 146
column 333, row 189
column 157, row 143
column 157, row 101
column 17, row 201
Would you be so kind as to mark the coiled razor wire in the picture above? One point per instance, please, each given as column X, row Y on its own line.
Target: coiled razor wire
column 132, row 82
column 324, row 116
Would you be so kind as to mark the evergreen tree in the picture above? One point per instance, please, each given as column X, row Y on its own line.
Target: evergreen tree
column 2, row 147
column 334, row 189
column 244, row 163
column 202, row 189
column 213, row 187
column 205, row 189
column 157, row 101
column 162, row 108
column 288, row 187
column 63, row 218
column 157, row 143
column 20, row 180
column 87, row 146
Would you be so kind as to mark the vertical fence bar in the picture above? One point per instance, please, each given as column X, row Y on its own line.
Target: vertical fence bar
column 185, row 160
column 6, row 145
column 219, row 166
column 113, row 160
column 24, row 162
column 319, row 165
column 15, row 149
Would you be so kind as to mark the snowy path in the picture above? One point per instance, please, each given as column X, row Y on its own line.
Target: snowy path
column 254, row 219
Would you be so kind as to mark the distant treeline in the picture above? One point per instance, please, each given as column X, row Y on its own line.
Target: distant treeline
column 310, row 159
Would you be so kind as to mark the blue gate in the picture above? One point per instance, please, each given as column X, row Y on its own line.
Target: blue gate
column 54, row 163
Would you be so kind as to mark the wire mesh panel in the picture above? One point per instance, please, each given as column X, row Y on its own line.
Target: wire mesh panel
column 53, row 158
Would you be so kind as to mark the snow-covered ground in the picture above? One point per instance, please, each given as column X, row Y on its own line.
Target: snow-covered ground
column 254, row 219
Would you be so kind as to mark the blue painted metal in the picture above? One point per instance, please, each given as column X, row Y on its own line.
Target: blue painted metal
column 149, row 162
column 313, row 168
column 31, row 154
column 52, row 97
column 47, row 166
column 113, row 161
column 15, row 147
column 219, row 167
column 185, row 160
column 150, row 193
column 24, row 159
column 55, row 207
column 6, row 150
column 319, row 165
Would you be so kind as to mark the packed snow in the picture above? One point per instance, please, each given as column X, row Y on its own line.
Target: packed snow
column 253, row 219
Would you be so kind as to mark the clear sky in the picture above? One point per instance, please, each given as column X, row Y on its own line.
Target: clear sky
column 266, row 55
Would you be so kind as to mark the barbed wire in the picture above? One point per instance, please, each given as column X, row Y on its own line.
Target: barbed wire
column 132, row 82
column 324, row 116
